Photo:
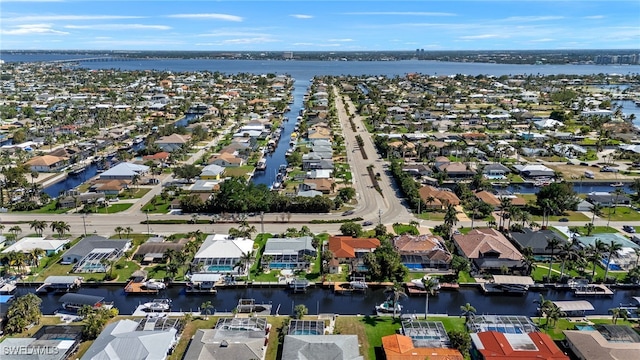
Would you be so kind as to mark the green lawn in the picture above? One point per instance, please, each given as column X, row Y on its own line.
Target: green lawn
column 571, row 215
column 160, row 206
column 542, row 269
column 50, row 208
column 431, row 215
column 405, row 229
column 603, row 230
column 239, row 170
column 134, row 193
column 555, row 330
column 115, row 208
column 622, row 213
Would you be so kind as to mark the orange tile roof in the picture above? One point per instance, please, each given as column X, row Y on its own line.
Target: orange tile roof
column 345, row 246
column 497, row 346
column 400, row 347
column 480, row 241
column 44, row 160
column 443, row 196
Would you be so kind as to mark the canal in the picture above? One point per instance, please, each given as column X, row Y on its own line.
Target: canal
column 325, row 301
column 278, row 156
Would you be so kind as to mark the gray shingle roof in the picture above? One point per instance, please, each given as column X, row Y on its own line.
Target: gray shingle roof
column 86, row 245
column 321, row 347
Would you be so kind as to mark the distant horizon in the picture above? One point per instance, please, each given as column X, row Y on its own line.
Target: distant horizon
column 321, row 25
column 320, row 51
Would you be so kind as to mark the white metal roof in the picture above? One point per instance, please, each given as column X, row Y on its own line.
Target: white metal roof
column 512, row 279
column 577, row 305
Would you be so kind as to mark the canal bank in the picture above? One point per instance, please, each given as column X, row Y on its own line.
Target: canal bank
column 323, row 300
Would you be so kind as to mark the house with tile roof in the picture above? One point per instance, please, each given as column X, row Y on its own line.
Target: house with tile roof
column 493, row 200
column 488, row 250
column 441, row 198
column 172, row 142
column 226, row 160
column 400, row 347
column 491, row 345
column 347, row 248
column 422, row 252
column 46, row 163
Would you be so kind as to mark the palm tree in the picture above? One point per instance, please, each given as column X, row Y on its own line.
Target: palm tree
column 34, row 255
column 468, row 311
column 170, row 254
column 61, row 227
column 528, row 261
column 430, row 287
column 15, row 230
column 617, row 192
column 567, row 252
column 554, row 313
column 544, row 305
column 552, row 244
column 395, row 292
column 589, row 227
column 246, row 260
column 451, row 218
column 505, row 204
column 594, row 255
column 206, row 308
column 128, row 230
column 38, row 226
column 596, row 209
column 617, row 313
column 612, row 249
column 119, row 230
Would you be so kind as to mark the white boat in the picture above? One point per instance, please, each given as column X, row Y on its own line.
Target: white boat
column 154, row 284
column 358, row 285
column 157, row 305
column 261, row 165
column 617, row 184
column 388, row 307
column 419, row 284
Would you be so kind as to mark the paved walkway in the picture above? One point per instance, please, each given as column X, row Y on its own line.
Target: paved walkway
column 461, row 214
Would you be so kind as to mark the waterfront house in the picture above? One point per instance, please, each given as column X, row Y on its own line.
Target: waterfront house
column 536, row 240
column 26, row 244
column 172, row 142
column 319, row 174
column 348, row 249
column 212, row 172
column 491, row 345
column 532, row 171
column 145, row 339
column 441, row 197
column 606, row 199
column 154, row 249
column 626, row 257
column 50, row 342
column 46, row 163
column 325, row 186
column 288, row 253
column 109, row 187
column 219, row 254
column 488, row 250
column 226, row 160
column 124, row 171
column 495, row 171
column 319, row 347
column 401, row 347
column 231, row 339
column 161, row 157
column 604, row 342
column 493, row 200
column 94, row 245
column 420, row 252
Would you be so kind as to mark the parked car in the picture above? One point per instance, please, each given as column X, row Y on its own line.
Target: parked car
column 348, row 212
column 563, row 220
column 608, row 169
column 630, row 229
column 367, row 223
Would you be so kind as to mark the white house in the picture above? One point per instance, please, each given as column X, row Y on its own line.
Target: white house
column 124, row 171
column 219, row 253
column 26, row 244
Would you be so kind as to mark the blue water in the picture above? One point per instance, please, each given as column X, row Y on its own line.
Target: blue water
column 305, row 332
column 505, row 329
column 71, row 182
column 219, row 268
column 585, row 327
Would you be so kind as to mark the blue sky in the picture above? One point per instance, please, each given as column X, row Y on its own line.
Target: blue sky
column 328, row 25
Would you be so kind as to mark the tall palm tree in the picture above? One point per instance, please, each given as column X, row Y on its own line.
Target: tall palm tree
column 589, row 227
column 617, row 313
column 430, row 287
column 612, row 250
column 567, row 252
column 246, row 260
column 450, row 218
column 38, row 226
column 552, row 244
column 396, row 292
column 170, row 254
column 596, row 209
column 505, row 203
column 61, row 227
column 15, row 230
column 128, row 230
column 528, row 261
column 34, row 256
column 468, row 311
column 617, row 192
column 206, row 308
column 554, row 313
column 119, row 230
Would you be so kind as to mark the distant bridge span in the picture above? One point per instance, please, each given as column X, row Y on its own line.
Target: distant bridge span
column 97, row 59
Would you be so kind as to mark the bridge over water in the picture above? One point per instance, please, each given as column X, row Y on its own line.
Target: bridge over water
column 97, row 59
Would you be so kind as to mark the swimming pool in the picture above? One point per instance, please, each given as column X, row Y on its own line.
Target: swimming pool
column 282, row 265
column 585, row 327
column 219, row 268
column 305, row 332
column 505, row 329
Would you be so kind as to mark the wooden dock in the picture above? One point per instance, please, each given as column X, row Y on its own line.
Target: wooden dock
column 138, row 288
column 413, row 289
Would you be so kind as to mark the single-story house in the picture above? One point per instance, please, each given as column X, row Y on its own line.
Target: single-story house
column 491, row 345
column 401, row 347
column 621, row 342
column 422, row 252
column 493, row 200
column 608, row 199
column 437, row 198
column 536, row 240
column 85, row 198
column 124, row 171
column 325, row 186
column 495, row 171
column 26, row 244
column 144, row 339
column 534, row 170
column 153, row 251
column 230, row 339
column 312, row 347
column 219, row 253
column 46, row 163
column 288, row 253
column 85, row 246
column 109, row 187
column 51, row 342
column 212, row 172
column 172, row 142
column 488, row 250
column 226, row 160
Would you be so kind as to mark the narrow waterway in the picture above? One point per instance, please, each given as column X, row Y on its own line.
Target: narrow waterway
column 325, row 301
column 278, row 157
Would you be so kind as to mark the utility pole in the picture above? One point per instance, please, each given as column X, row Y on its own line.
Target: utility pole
column 379, row 217
column 148, row 225
column 84, row 224
column 262, row 222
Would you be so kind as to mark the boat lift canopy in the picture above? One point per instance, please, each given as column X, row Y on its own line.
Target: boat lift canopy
column 512, row 279
column 205, row 277
column 81, row 299
column 572, row 306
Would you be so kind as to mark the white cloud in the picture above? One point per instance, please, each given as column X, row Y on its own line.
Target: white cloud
column 542, row 40
column 594, row 17
column 33, row 29
column 225, row 17
column 340, row 40
column 33, row 18
column 225, row 33
column 405, row 13
column 119, row 27
column 301, row 16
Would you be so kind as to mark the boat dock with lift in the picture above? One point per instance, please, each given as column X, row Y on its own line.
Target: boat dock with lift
column 507, row 285
column 60, row 284
column 582, row 287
